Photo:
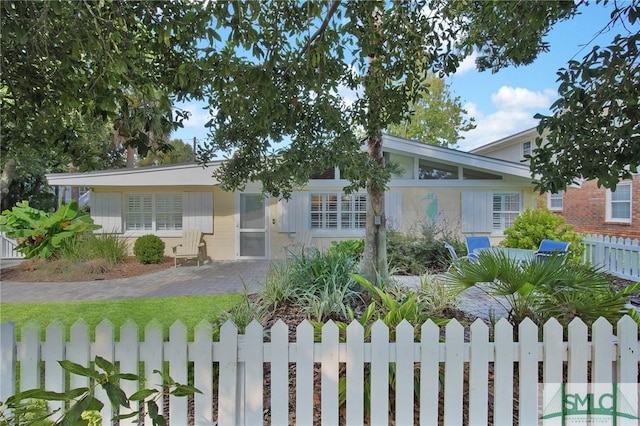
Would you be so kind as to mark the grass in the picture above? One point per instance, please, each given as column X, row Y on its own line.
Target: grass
column 188, row 309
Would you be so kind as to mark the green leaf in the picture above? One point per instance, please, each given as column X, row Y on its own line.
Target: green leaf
column 142, row 394
column 126, row 416
column 105, row 365
column 116, row 395
column 78, row 369
column 125, row 376
column 184, row 390
column 40, row 394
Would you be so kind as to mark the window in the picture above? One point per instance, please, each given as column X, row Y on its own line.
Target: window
column 404, row 162
column 153, row 212
column 329, row 173
column 336, row 211
column 506, row 208
column 555, row 201
column 526, row 148
column 470, row 174
column 619, row 203
column 432, row 170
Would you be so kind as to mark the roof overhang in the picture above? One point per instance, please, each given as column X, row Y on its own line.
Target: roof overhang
column 170, row 175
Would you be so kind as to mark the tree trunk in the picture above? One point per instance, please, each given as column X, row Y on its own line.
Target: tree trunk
column 8, row 173
column 131, row 157
column 75, row 193
column 374, row 260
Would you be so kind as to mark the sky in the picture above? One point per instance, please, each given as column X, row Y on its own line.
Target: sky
column 504, row 103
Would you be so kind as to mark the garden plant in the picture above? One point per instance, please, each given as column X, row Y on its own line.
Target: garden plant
column 541, row 290
column 40, row 233
column 534, row 225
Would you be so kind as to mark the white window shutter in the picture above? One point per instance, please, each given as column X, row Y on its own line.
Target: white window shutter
column 477, row 212
column 293, row 213
column 197, row 211
column 393, row 209
column 106, row 211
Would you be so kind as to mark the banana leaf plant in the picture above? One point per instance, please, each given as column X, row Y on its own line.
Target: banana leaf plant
column 40, row 233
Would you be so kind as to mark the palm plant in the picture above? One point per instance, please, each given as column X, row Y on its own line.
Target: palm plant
column 541, row 290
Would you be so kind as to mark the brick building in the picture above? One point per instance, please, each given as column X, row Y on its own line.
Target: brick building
column 591, row 210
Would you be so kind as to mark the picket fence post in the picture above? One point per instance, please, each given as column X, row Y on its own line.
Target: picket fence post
column 613, row 359
column 8, row 360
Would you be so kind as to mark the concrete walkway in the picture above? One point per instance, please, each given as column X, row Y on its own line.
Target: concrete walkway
column 218, row 277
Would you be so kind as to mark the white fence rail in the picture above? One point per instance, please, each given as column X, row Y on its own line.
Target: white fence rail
column 617, row 256
column 454, row 373
column 8, row 248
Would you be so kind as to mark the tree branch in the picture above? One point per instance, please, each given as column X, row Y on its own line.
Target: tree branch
column 322, row 28
column 318, row 33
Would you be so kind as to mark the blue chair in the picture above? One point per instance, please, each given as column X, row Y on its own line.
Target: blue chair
column 474, row 244
column 552, row 248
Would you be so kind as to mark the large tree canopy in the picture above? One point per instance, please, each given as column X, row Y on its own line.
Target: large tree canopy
column 437, row 118
column 65, row 59
column 594, row 131
column 288, row 69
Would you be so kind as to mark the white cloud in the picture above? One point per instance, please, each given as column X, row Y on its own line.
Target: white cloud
column 514, row 111
column 468, row 64
column 518, row 98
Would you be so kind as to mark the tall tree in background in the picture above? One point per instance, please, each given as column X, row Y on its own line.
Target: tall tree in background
column 594, row 131
column 286, row 66
column 180, row 152
column 437, row 118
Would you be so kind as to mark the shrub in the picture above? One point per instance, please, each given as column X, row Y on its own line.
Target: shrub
column 321, row 283
column 89, row 246
column 108, row 247
column 349, row 248
column 416, row 254
column 533, row 226
column 149, row 249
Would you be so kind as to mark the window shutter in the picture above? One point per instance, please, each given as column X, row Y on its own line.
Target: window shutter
column 393, row 209
column 197, row 211
column 293, row 213
column 477, row 212
column 106, row 211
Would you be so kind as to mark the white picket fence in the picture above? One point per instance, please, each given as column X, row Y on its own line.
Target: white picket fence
column 617, row 256
column 8, row 248
column 464, row 373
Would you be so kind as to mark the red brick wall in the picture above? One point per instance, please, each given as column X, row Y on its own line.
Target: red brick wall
column 585, row 209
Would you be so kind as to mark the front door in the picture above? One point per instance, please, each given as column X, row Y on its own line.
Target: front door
column 252, row 239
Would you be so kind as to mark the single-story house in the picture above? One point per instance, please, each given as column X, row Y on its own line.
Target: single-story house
column 468, row 193
column 591, row 210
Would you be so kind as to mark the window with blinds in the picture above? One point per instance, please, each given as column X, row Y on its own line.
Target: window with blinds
column 153, row 212
column 506, row 208
column 338, row 211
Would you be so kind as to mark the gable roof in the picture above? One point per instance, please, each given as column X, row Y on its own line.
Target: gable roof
column 517, row 138
column 454, row 156
column 197, row 175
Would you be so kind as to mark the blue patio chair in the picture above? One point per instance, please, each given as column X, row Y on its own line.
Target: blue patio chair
column 475, row 244
column 552, row 249
column 452, row 253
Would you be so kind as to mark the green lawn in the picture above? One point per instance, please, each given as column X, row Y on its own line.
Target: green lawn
column 188, row 309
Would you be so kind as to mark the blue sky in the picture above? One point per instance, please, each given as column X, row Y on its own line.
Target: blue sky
column 503, row 103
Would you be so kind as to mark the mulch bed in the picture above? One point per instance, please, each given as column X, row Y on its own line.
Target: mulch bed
column 38, row 270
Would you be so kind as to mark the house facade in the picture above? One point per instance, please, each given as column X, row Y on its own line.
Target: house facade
column 589, row 208
column 467, row 193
